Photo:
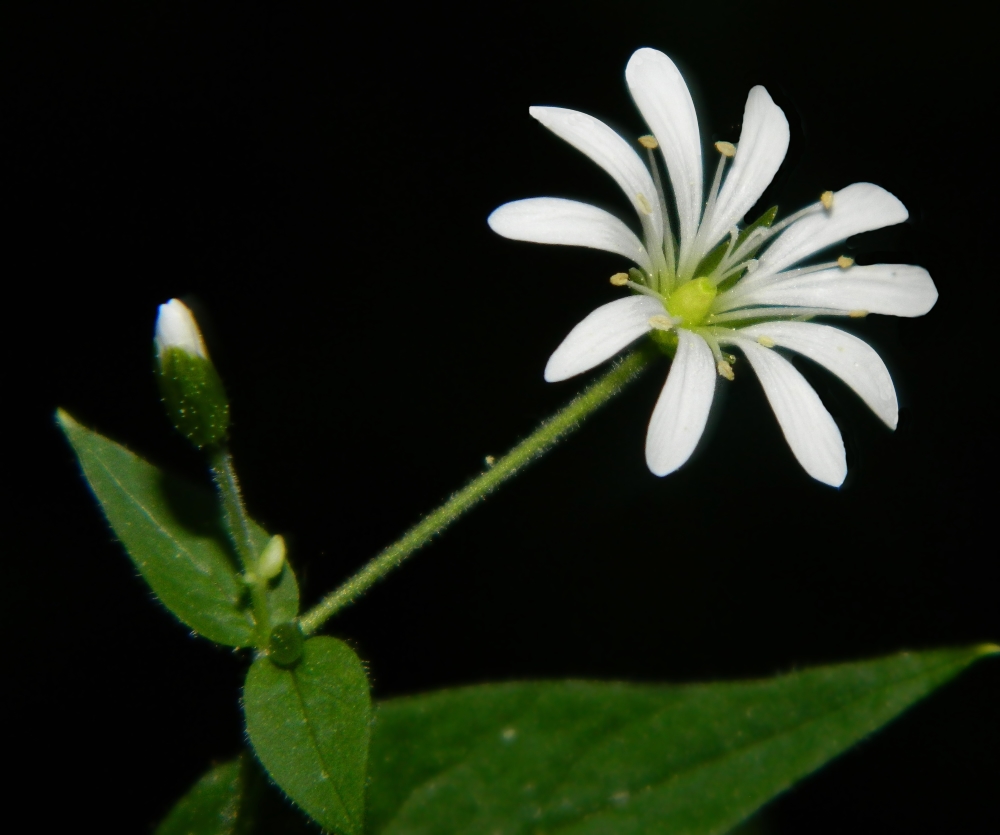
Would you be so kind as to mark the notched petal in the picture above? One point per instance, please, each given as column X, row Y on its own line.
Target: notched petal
column 552, row 220
column 682, row 409
column 601, row 335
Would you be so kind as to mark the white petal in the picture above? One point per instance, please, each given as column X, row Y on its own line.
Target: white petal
column 602, row 335
column 552, row 220
column 805, row 422
column 892, row 289
column 682, row 409
column 762, row 147
column 858, row 208
column 176, row 328
column 614, row 155
column 854, row 361
column 665, row 103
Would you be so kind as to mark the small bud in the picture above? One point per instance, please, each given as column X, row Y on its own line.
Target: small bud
column 490, row 460
column 649, row 141
column 844, row 262
column 272, row 559
column 189, row 384
column 826, row 198
column 619, row 279
column 727, row 149
column 285, row 645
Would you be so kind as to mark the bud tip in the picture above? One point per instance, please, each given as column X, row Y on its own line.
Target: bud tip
column 176, row 328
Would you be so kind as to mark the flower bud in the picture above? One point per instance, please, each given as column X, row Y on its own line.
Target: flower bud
column 190, row 387
column 272, row 559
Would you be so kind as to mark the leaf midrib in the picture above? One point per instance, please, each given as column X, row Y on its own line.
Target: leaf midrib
column 319, row 752
column 692, row 769
column 757, row 742
column 207, row 572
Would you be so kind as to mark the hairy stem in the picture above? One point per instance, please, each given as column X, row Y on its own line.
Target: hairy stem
column 237, row 523
column 538, row 443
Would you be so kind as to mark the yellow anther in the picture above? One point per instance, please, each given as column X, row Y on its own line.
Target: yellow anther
column 858, row 314
column 725, row 370
column 844, row 262
column 619, row 279
column 649, row 141
column 661, row 323
column 727, row 149
column 490, row 460
column 826, row 198
column 643, row 203
column 766, row 341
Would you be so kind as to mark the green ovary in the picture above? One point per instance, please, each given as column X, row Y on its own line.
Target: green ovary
column 691, row 301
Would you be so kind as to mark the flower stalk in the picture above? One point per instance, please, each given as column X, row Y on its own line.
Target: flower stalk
column 535, row 445
column 237, row 524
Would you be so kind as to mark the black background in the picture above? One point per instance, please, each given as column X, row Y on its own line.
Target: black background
column 318, row 183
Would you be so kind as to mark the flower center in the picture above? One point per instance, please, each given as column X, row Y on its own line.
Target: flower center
column 691, row 301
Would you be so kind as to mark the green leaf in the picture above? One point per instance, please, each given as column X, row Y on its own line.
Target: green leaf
column 581, row 757
column 171, row 530
column 309, row 725
column 222, row 802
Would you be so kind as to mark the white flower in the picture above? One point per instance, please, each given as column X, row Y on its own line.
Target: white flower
column 714, row 285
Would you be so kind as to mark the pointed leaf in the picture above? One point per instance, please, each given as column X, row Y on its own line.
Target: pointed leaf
column 222, row 802
column 309, row 725
column 171, row 530
column 582, row 757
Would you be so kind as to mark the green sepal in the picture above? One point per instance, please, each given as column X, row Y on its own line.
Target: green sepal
column 309, row 725
column 223, row 802
column 709, row 263
column 172, row 532
column 666, row 341
column 193, row 395
column 589, row 758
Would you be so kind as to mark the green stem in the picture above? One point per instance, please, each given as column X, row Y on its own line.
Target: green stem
column 234, row 516
column 535, row 445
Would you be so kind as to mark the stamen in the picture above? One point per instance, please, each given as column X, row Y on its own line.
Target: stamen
column 844, row 262
column 753, row 313
column 718, row 277
column 766, row 341
column 750, row 265
column 668, row 237
column 661, row 323
column 727, row 149
column 725, row 370
column 858, row 314
column 813, row 268
column 649, row 141
column 640, row 198
column 713, row 344
column 713, row 193
column 759, row 235
column 622, row 280
column 826, row 198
